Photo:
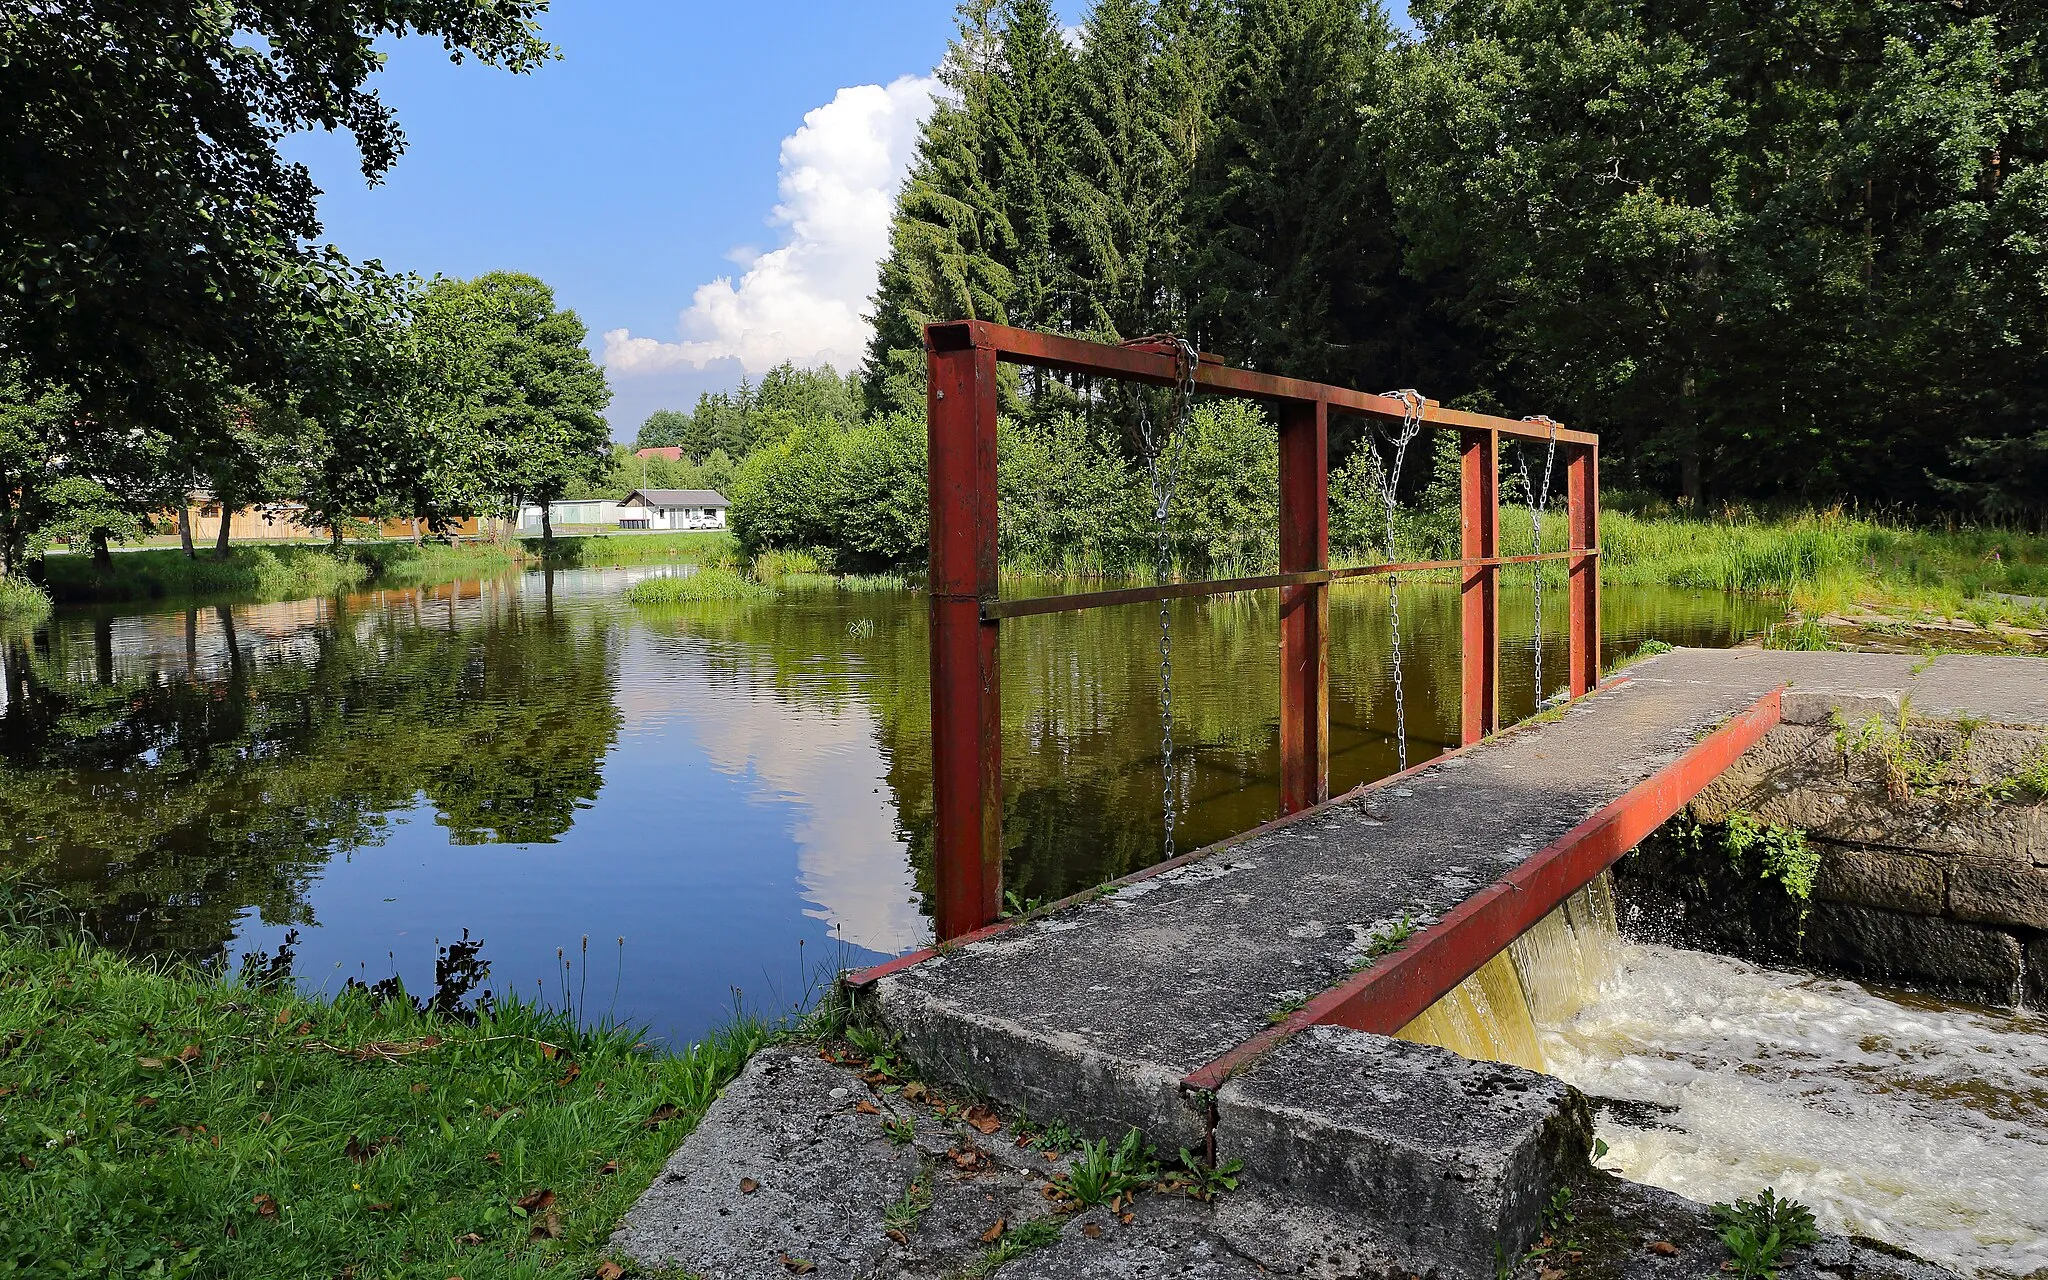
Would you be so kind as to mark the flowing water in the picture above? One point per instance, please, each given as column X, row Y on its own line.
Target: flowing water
column 1909, row 1120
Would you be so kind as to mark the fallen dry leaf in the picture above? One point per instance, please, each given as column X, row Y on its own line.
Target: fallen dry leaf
column 549, row 1051
column 1091, row 1229
column 190, row 1053
column 421, row 1087
column 569, row 1076
column 1663, row 1248
column 866, row 1108
column 748, row 1186
column 380, row 1207
column 897, row 1235
column 360, row 1152
column 284, row 1015
column 471, row 1238
column 1550, row 1273
column 609, row 1271
column 995, row 1232
column 266, row 1206
column 915, row 1090
column 535, row 1201
column 145, row 1101
column 664, row 1113
column 1051, row 1192
column 1127, row 1218
column 303, row 1029
column 610, row 1167
column 797, row 1266
column 984, row 1120
column 150, row 1064
column 492, row 1157
column 263, row 1118
column 547, row 1227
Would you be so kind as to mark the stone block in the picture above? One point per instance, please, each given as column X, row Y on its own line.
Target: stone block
column 1855, row 706
column 1882, row 878
column 2000, row 891
column 1063, row 1074
column 821, row 1181
column 1457, row 1158
column 1953, row 957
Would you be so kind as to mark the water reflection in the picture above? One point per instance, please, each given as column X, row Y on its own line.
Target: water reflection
column 722, row 784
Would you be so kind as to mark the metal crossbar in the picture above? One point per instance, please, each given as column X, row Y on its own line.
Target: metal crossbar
column 1032, row 606
column 967, row 611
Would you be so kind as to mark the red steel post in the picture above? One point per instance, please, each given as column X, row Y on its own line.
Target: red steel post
column 967, row 794
column 1304, row 610
column 1582, row 513
column 1479, row 493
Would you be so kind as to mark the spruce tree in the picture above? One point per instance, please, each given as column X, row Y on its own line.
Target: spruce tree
column 1292, row 236
column 1028, row 100
column 1117, row 175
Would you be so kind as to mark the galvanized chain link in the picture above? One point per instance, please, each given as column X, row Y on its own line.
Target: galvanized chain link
column 1390, row 481
column 1162, row 466
column 1538, row 502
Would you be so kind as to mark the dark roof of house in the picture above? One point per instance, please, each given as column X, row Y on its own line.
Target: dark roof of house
column 679, row 497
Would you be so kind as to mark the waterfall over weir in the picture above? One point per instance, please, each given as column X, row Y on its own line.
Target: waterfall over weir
column 1546, row 976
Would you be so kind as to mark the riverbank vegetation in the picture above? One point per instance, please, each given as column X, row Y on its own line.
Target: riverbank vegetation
column 164, row 1122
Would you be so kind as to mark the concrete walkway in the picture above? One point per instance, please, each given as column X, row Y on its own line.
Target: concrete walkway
column 1179, row 1001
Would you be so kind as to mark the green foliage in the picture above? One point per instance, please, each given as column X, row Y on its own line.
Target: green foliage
column 154, row 240
column 704, row 584
column 1784, row 853
column 1101, row 1173
column 1016, row 1242
column 859, row 492
column 1805, row 635
column 166, row 1123
column 2029, row 782
column 22, row 601
column 1385, row 941
column 1204, row 1181
column 1758, row 1232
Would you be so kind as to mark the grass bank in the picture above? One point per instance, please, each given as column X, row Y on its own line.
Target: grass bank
column 157, row 1122
column 288, row 571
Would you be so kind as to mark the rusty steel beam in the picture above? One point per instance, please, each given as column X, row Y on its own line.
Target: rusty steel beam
column 1304, row 608
column 1031, row 606
column 1158, row 368
column 1479, row 593
column 1394, row 992
column 1582, row 516
column 967, row 793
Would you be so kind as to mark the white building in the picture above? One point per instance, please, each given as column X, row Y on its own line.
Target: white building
column 573, row 513
column 673, row 509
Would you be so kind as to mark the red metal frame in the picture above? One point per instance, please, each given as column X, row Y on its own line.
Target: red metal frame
column 1396, row 991
column 965, row 613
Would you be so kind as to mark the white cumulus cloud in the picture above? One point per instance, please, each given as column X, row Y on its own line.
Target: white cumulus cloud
column 803, row 301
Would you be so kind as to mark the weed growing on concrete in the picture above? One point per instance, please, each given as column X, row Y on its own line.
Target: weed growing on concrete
column 1015, row 1243
column 2029, row 782
column 1558, row 1222
column 1785, row 853
column 1286, row 1009
column 1016, row 906
column 1205, row 1182
column 1101, row 1174
column 1758, row 1232
column 901, row 1217
column 902, row 1132
column 1385, row 941
column 1056, row 1137
column 878, row 1048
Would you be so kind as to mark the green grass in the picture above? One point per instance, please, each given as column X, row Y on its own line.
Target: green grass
column 618, row 550
column 705, row 584
column 156, row 1122
column 1829, row 561
column 22, row 601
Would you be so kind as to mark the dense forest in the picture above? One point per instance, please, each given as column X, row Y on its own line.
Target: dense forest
column 1770, row 249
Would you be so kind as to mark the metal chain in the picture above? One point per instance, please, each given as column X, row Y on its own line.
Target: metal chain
column 1537, row 504
column 1162, row 466
column 1390, row 481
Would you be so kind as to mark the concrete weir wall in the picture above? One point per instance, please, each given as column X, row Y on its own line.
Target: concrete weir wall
column 1927, row 875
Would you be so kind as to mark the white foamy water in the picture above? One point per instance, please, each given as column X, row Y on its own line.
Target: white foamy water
column 1912, row 1121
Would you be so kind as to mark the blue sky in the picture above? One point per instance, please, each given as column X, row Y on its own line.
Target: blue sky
column 675, row 145
column 628, row 173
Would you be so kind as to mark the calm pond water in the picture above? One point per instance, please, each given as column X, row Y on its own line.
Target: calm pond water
column 739, row 790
